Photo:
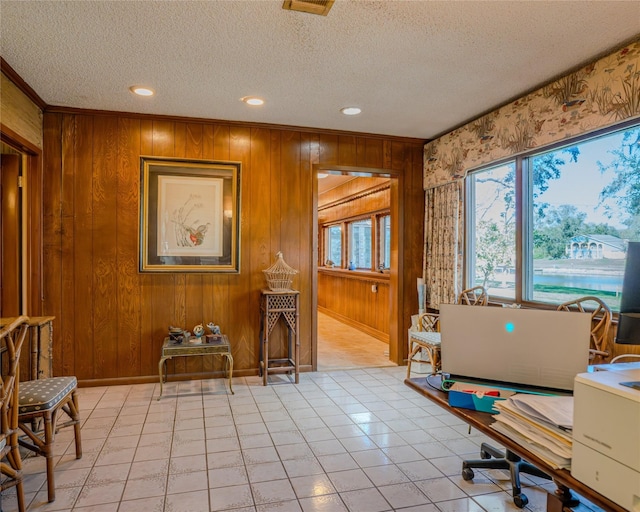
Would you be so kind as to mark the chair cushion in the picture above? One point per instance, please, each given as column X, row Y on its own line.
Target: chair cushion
column 44, row 394
column 428, row 337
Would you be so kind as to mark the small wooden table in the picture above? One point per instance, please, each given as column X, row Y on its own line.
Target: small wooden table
column 171, row 349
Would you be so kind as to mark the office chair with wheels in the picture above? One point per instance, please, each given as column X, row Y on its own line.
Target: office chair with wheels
column 427, row 337
column 492, row 458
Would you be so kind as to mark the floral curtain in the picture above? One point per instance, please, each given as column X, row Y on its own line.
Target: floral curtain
column 443, row 243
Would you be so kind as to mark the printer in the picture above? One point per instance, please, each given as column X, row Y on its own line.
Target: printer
column 606, row 433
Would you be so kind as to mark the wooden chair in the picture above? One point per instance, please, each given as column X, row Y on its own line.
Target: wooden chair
column 600, row 325
column 40, row 403
column 476, row 296
column 12, row 337
column 427, row 337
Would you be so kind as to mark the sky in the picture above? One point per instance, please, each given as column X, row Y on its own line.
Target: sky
column 581, row 182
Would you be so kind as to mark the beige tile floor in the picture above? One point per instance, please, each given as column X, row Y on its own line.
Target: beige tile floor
column 342, row 347
column 354, row 440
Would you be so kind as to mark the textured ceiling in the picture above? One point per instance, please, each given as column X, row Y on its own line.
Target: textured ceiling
column 416, row 68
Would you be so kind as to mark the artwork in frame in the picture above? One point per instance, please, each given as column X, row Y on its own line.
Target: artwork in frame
column 189, row 215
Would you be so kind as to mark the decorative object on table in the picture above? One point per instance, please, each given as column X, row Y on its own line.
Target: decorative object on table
column 279, row 275
column 351, row 266
column 198, row 331
column 215, row 329
column 189, row 215
column 176, row 334
column 216, row 333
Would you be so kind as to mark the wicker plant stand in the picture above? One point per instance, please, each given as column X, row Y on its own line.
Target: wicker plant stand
column 273, row 307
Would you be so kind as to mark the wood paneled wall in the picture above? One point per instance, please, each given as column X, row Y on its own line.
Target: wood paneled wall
column 348, row 297
column 110, row 319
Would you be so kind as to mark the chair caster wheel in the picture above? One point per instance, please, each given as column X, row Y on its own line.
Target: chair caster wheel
column 520, row 500
column 467, row 474
column 484, row 455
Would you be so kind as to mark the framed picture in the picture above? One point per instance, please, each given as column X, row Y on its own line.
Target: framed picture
column 189, row 215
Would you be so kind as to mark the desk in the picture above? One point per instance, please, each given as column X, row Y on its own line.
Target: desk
column 273, row 307
column 171, row 349
column 482, row 422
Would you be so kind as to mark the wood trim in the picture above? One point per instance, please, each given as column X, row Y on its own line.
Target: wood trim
column 17, row 80
column 243, row 124
column 16, row 140
column 363, row 193
column 357, row 275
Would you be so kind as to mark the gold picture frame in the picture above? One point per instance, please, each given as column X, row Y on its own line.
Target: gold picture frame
column 189, row 215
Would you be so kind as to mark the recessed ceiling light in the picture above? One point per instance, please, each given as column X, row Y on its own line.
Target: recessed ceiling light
column 350, row 111
column 322, row 175
column 252, row 100
column 141, row 91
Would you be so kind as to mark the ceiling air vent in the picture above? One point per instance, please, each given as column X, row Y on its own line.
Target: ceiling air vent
column 321, row 7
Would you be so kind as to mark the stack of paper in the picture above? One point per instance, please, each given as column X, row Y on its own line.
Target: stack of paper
column 541, row 423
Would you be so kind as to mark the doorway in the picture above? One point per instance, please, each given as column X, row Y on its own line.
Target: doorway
column 11, row 269
column 21, row 224
column 353, row 262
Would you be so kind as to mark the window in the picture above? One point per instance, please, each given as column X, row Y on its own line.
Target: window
column 333, row 249
column 360, row 244
column 492, row 243
column 384, row 256
column 580, row 206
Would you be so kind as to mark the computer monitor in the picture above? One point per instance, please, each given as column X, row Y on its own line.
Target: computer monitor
column 628, row 332
column 531, row 347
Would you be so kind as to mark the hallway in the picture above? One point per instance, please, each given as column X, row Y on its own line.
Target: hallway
column 341, row 347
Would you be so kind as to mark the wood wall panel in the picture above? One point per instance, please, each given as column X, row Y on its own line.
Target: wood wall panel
column 111, row 319
column 105, row 246
column 52, row 228
column 128, row 293
column 77, row 324
column 352, row 301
